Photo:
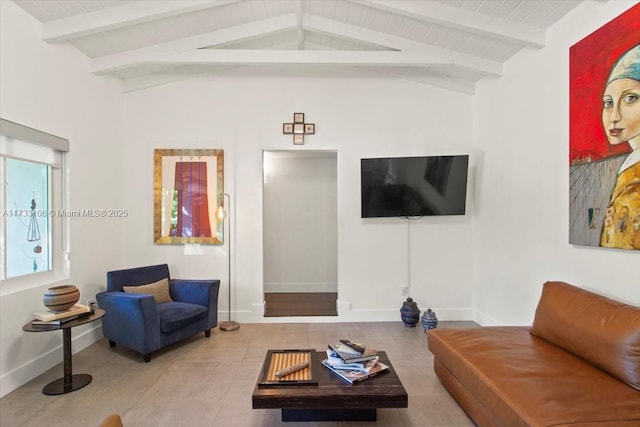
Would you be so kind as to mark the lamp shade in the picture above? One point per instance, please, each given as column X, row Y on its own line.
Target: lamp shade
column 221, row 213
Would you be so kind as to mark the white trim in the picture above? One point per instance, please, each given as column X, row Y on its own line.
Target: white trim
column 23, row 133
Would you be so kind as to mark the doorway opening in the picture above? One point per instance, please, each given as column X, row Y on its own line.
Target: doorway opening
column 300, row 253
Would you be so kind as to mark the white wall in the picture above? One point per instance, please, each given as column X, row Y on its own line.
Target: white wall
column 521, row 130
column 358, row 114
column 50, row 88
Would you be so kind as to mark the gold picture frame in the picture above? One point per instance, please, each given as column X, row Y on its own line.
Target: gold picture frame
column 188, row 186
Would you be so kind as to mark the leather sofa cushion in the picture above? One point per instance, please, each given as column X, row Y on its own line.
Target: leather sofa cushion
column 176, row 315
column 604, row 332
column 522, row 380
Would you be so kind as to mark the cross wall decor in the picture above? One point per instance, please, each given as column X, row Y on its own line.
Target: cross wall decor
column 298, row 128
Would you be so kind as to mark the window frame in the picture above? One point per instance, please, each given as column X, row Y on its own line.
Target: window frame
column 59, row 194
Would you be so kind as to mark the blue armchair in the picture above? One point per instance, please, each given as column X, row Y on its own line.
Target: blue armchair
column 135, row 320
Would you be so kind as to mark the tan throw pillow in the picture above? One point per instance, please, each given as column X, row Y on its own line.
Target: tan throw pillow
column 159, row 290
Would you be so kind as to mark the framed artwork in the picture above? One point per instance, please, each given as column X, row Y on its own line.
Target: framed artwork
column 298, row 139
column 298, row 117
column 188, row 186
column 298, row 128
column 309, row 128
column 604, row 128
column 287, row 128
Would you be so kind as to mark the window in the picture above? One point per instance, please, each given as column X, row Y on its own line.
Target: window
column 33, row 227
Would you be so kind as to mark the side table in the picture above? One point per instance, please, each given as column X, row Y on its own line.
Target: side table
column 69, row 382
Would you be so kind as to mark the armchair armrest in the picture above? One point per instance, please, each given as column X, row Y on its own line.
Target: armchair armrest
column 131, row 320
column 202, row 292
column 193, row 291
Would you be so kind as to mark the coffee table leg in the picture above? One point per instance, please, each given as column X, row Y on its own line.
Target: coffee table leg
column 355, row 414
column 69, row 382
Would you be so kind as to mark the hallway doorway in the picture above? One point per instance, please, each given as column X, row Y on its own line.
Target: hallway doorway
column 300, row 252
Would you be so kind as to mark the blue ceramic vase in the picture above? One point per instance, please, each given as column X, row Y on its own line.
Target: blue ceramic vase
column 429, row 320
column 410, row 313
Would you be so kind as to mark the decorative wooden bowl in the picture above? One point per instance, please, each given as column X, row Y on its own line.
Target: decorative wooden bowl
column 60, row 298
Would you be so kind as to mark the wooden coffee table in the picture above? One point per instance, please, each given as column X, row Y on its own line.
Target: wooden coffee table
column 333, row 399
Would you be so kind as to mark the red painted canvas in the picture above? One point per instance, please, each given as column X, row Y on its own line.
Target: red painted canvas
column 590, row 62
column 604, row 132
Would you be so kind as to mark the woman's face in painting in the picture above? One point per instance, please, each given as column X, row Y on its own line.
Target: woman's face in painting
column 621, row 110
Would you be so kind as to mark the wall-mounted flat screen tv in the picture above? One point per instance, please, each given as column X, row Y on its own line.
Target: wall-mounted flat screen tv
column 414, row 186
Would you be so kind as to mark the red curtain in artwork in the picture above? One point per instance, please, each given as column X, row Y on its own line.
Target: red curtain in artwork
column 191, row 201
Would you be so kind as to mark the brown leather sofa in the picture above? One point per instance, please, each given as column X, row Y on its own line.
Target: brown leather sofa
column 112, row 421
column 578, row 365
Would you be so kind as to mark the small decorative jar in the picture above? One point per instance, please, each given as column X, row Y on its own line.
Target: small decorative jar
column 410, row 313
column 60, row 298
column 429, row 320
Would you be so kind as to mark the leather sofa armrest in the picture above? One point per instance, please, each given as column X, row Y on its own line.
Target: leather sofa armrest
column 112, row 421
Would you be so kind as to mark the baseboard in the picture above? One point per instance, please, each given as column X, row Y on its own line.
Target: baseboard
column 346, row 314
column 30, row 370
column 484, row 319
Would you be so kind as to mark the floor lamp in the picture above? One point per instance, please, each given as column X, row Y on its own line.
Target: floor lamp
column 221, row 214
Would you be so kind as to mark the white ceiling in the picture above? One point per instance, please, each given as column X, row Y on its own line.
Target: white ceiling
column 445, row 43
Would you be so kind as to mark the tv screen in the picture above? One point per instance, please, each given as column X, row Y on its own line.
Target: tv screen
column 414, row 186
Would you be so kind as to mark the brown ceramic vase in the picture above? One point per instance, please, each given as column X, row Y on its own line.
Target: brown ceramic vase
column 60, row 298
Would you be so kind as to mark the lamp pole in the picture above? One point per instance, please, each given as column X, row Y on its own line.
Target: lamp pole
column 223, row 212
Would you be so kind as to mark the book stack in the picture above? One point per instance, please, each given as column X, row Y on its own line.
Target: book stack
column 353, row 362
column 59, row 318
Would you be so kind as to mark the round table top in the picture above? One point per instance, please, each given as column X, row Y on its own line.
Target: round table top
column 97, row 314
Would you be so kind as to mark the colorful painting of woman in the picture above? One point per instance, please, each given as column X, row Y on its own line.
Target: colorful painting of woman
column 604, row 122
column 621, row 122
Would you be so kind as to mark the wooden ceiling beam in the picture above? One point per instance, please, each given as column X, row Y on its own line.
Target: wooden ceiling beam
column 119, row 61
column 289, row 57
column 121, row 16
column 463, row 20
column 359, row 34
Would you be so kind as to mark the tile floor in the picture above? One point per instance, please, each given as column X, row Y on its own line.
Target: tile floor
column 207, row 382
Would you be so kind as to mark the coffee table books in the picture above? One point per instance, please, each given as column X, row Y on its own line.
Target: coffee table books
column 50, row 315
column 288, row 368
column 337, row 363
column 353, row 376
column 349, row 354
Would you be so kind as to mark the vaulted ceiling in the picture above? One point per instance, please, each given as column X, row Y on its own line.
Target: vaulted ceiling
column 446, row 43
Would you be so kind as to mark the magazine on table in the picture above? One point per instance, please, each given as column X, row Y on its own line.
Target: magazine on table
column 349, row 355
column 336, row 362
column 356, row 376
column 49, row 315
column 59, row 322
